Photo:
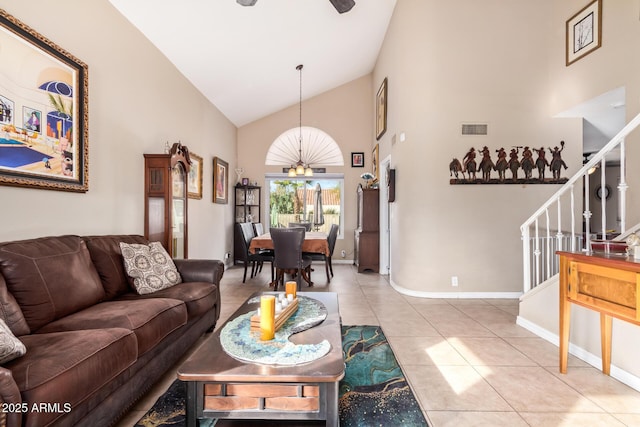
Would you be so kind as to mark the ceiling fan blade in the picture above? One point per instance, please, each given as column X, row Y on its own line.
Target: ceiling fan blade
column 343, row 6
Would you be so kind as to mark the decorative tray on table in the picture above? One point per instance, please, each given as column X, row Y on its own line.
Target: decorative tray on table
column 239, row 339
column 280, row 318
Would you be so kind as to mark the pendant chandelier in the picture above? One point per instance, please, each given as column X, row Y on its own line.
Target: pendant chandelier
column 300, row 168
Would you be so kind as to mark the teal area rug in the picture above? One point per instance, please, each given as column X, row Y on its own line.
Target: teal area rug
column 373, row 392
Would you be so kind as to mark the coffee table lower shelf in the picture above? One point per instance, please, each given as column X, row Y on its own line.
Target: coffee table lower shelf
column 290, row 401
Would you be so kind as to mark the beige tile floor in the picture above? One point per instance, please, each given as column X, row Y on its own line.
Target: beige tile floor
column 467, row 361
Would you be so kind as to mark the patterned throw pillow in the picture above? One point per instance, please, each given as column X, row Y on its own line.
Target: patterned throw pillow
column 150, row 267
column 10, row 346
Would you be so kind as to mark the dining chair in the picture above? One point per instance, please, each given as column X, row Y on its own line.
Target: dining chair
column 305, row 225
column 258, row 228
column 256, row 259
column 317, row 256
column 287, row 244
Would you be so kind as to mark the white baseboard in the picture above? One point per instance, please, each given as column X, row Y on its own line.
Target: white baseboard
column 341, row 261
column 582, row 354
column 456, row 295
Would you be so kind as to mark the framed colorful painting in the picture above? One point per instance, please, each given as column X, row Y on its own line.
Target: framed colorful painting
column 220, row 181
column 194, row 179
column 357, row 159
column 43, row 112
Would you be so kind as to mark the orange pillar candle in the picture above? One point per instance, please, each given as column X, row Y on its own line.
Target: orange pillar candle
column 291, row 288
column 267, row 317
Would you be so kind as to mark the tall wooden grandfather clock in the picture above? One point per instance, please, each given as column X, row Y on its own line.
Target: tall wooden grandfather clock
column 165, row 199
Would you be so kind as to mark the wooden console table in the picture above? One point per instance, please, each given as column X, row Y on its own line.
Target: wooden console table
column 608, row 284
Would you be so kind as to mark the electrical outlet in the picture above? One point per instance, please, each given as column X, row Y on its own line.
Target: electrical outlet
column 454, row 280
column 343, row 253
column 227, row 255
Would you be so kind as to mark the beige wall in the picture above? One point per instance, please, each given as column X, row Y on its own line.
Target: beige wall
column 137, row 101
column 448, row 63
column 615, row 64
column 345, row 114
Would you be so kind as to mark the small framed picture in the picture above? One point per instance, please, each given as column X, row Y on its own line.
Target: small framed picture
column 374, row 154
column 584, row 32
column 357, row 159
column 245, row 181
column 220, row 179
column 381, row 110
column 194, row 179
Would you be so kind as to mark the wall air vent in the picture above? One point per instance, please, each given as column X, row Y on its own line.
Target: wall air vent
column 474, row 128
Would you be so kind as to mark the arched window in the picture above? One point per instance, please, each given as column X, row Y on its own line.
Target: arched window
column 292, row 199
column 317, row 148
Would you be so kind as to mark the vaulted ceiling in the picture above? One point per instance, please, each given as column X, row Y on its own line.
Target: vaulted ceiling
column 243, row 59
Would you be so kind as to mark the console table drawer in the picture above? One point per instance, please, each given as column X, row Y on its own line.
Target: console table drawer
column 612, row 290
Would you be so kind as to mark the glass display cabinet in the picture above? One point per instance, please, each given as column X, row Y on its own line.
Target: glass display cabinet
column 247, row 203
column 165, row 195
column 247, row 209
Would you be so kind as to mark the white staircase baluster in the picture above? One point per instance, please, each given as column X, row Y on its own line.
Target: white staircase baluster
column 532, row 267
column 536, row 254
column 548, row 254
column 603, row 199
column 622, row 188
column 526, row 258
column 587, row 213
column 559, row 234
column 573, row 220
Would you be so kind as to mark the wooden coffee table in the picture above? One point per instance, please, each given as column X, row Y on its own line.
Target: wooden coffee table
column 219, row 386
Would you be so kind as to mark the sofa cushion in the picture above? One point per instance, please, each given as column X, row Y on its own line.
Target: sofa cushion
column 10, row 311
column 150, row 319
column 10, row 346
column 199, row 297
column 50, row 277
column 107, row 257
column 67, row 367
column 150, row 267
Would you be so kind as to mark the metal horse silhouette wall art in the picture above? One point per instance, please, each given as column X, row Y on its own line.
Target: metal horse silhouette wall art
column 526, row 163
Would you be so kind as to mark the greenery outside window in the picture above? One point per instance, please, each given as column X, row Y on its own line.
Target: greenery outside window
column 292, row 200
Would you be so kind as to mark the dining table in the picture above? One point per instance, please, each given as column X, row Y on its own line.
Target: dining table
column 314, row 241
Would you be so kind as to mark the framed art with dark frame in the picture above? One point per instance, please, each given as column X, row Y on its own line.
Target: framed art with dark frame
column 194, row 179
column 357, row 159
column 381, row 110
column 43, row 112
column 220, row 181
column 584, row 32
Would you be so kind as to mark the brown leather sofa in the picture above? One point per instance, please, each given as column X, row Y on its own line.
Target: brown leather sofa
column 94, row 346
